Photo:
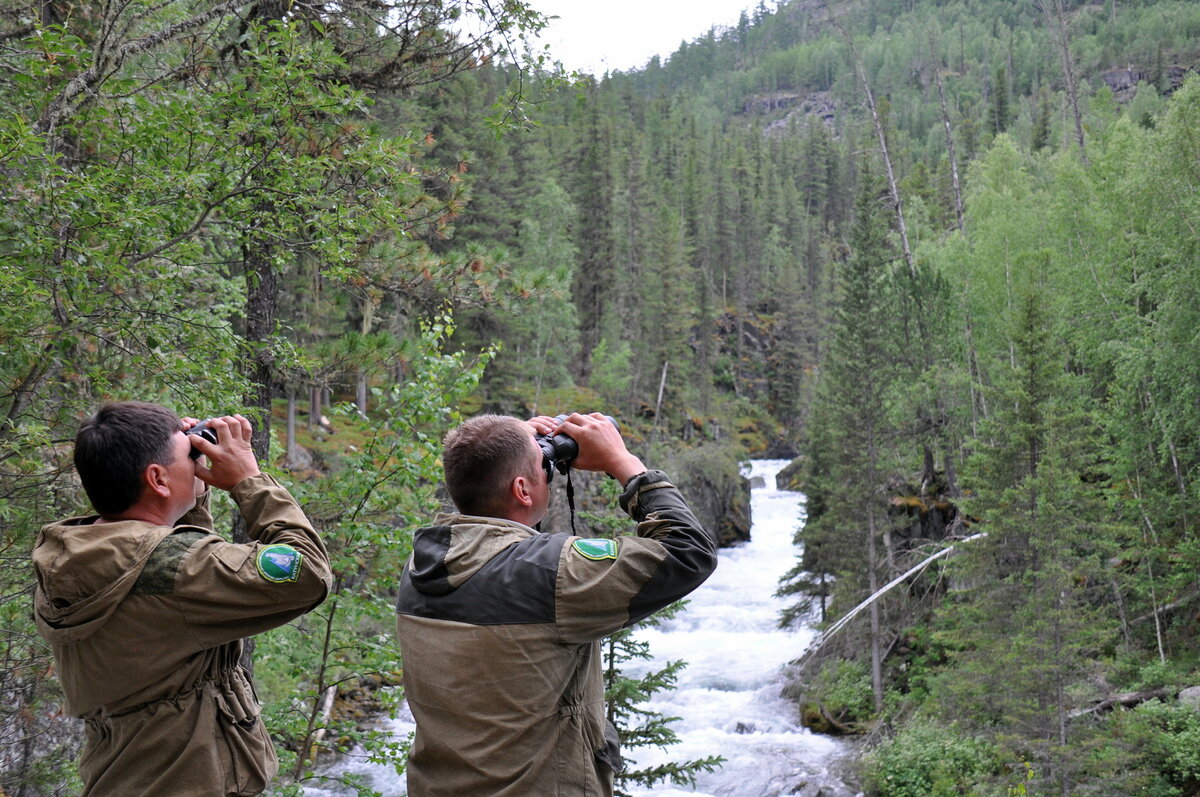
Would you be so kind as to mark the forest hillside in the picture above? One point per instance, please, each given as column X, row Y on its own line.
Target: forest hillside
column 941, row 252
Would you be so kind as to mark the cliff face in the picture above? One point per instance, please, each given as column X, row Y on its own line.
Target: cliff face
column 710, row 476
column 721, row 502
column 1124, row 81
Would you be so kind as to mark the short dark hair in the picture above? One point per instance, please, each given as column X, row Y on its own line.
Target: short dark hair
column 481, row 458
column 116, row 445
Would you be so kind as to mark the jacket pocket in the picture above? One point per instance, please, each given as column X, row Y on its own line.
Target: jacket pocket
column 252, row 762
column 233, row 556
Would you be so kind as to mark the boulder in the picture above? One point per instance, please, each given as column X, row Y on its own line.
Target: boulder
column 1190, row 697
column 790, row 478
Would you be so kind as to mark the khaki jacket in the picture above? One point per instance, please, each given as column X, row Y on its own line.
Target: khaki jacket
column 146, row 625
column 499, row 628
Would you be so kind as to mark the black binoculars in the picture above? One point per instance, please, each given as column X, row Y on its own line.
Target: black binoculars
column 202, row 430
column 559, row 450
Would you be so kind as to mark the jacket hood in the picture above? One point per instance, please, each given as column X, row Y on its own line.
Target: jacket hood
column 84, row 570
column 448, row 553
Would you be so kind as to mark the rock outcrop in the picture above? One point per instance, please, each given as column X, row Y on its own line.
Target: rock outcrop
column 1124, row 81
column 709, row 477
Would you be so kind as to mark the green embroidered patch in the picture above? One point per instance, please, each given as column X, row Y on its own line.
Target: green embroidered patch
column 280, row 563
column 596, row 549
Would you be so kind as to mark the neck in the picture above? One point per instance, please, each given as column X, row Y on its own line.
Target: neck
column 144, row 514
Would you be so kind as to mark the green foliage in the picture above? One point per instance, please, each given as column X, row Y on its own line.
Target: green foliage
column 843, row 690
column 998, row 119
column 927, row 759
column 1166, row 738
column 1041, row 124
column 610, row 369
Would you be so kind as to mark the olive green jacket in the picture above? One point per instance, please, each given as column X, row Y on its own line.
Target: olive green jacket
column 146, row 624
column 499, row 628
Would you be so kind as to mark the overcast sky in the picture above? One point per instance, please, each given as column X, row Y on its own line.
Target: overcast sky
column 596, row 36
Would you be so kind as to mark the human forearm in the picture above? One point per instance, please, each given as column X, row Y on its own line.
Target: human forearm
column 273, row 517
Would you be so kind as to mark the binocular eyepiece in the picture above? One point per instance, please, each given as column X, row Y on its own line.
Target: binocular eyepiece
column 559, row 450
column 205, row 432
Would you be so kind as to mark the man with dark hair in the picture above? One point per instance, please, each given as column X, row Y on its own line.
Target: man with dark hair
column 500, row 625
column 145, row 608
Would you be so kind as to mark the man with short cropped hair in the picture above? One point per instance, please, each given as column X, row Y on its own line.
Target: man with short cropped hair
column 145, row 607
column 500, row 625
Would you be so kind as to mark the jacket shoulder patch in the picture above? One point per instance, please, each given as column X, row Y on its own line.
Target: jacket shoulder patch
column 596, row 549
column 280, row 564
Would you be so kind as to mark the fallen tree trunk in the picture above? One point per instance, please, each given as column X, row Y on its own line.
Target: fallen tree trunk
column 841, row 623
column 1125, row 699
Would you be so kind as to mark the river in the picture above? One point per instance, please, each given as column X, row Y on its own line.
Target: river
column 728, row 697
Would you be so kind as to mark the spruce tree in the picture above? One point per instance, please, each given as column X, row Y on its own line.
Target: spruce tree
column 998, row 118
column 1041, row 123
column 851, row 411
column 594, row 235
column 637, row 725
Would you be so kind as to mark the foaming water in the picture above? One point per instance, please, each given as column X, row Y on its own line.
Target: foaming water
column 728, row 697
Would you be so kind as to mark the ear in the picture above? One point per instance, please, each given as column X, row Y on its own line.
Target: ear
column 157, row 480
column 521, row 490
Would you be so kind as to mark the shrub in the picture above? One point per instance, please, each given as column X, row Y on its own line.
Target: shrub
column 1166, row 737
column 925, row 759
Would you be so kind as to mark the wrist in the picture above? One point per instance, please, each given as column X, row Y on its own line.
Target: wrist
column 627, row 469
column 228, row 481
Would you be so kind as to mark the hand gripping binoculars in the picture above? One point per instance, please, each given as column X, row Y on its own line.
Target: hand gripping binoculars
column 559, row 450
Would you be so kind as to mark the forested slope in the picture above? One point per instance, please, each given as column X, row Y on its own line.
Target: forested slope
column 944, row 250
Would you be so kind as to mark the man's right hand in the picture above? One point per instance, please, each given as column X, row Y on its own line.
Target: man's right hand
column 231, row 458
column 601, row 447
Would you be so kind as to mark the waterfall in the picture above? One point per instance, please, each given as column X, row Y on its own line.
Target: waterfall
column 728, row 697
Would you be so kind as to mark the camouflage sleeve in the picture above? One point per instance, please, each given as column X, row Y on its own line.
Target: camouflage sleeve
column 226, row 591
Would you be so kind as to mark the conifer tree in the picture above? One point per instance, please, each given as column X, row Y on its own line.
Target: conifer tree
column 851, row 410
column 1022, row 624
column 638, row 725
column 1041, row 123
column 998, row 118
column 668, row 320
column 594, row 236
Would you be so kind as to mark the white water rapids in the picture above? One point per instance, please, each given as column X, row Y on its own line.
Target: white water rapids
column 728, row 697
